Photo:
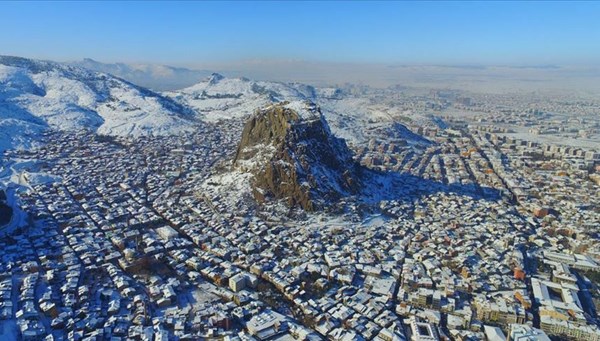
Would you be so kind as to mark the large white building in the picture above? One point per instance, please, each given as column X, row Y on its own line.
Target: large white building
column 523, row 332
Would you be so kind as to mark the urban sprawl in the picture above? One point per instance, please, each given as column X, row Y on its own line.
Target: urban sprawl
column 489, row 235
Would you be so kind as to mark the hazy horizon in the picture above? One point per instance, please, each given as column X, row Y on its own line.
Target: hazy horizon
column 475, row 77
column 484, row 46
column 466, row 77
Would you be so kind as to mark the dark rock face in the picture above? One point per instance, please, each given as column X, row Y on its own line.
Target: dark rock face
column 5, row 210
column 305, row 164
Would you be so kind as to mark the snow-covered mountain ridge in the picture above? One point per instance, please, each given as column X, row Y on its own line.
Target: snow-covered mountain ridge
column 218, row 97
column 36, row 95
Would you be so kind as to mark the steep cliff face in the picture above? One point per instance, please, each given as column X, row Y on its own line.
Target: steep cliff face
column 5, row 210
column 293, row 155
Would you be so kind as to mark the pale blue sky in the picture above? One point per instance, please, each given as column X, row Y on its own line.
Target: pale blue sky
column 381, row 32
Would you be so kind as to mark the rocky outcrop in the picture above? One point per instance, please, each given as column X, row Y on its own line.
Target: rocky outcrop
column 5, row 210
column 294, row 156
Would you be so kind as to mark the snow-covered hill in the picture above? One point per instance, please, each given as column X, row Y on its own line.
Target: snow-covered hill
column 217, row 97
column 350, row 117
column 35, row 95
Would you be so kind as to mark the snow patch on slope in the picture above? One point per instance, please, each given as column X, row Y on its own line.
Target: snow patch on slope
column 233, row 188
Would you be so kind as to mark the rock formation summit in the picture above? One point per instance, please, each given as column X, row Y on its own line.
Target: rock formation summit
column 293, row 155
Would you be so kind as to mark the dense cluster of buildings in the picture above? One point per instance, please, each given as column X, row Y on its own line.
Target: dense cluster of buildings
column 476, row 236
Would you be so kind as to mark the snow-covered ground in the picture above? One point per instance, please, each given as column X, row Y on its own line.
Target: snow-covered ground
column 19, row 175
column 232, row 188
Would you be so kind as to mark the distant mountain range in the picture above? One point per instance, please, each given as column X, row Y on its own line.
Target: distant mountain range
column 36, row 95
column 152, row 76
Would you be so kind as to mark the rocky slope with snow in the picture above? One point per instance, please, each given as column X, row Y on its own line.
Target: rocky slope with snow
column 36, row 95
column 292, row 155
